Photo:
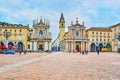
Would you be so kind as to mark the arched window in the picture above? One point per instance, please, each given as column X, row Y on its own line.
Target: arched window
column 40, row 32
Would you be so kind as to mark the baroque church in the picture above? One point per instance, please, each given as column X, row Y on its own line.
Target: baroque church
column 40, row 39
column 74, row 39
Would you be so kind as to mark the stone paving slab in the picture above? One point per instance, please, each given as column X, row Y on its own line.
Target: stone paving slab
column 11, row 66
column 68, row 66
column 12, row 59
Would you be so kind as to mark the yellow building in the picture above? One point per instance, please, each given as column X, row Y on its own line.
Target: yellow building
column 18, row 35
column 99, row 37
column 115, row 33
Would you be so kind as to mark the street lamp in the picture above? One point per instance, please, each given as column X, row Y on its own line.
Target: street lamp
column 6, row 35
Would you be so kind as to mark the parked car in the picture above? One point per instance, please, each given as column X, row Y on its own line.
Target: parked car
column 9, row 52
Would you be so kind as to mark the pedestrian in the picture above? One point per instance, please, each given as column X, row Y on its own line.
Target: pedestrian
column 69, row 51
column 86, row 52
column 82, row 52
column 20, row 52
column 25, row 52
column 98, row 51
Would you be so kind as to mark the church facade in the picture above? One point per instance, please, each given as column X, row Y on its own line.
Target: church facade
column 40, row 37
column 79, row 39
column 73, row 40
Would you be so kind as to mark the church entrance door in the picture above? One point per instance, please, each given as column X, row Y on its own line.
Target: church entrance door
column 77, row 48
column 41, row 47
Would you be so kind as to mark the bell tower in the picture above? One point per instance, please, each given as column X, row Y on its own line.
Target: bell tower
column 61, row 27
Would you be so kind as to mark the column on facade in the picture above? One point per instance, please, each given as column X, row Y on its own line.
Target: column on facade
column 32, row 45
column 69, row 45
column 46, row 45
column 87, row 46
column 35, row 46
column 83, row 33
column 81, row 46
column 66, row 46
column 57, row 46
column 84, row 46
column 74, row 46
column 80, row 33
column 33, row 31
column 47, row 33
column 49, row 46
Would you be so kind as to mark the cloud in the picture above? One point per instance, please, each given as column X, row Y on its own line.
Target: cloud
column 92, row 12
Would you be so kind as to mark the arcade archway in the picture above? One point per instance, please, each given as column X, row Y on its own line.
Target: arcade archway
column 10, row 44
column 1, row 43
column 92, row 46
column 109, row 47
column 100, row 47
column 20, row 46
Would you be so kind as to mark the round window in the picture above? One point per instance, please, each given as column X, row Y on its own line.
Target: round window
column 77, row 33
column 40, row 32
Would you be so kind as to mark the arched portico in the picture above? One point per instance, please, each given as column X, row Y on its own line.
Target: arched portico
column 11, row 44
column 1, row 43
column 92, row 46
column 109, row 46
column 20, row 46
column 100, row 47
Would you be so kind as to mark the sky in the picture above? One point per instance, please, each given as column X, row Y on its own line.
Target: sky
column 94, row 13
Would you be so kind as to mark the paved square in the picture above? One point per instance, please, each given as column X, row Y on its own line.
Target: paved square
column 66, row 66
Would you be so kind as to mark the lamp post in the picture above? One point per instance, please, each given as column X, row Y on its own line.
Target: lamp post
column 7, row 35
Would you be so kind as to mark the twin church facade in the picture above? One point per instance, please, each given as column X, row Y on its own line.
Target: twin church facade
column 77, row 38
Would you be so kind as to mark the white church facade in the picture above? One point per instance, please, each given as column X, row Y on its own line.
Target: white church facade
column 40, row 37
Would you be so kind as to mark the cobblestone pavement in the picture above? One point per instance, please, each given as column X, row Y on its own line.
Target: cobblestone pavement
column 69, row 66
column 11, row 59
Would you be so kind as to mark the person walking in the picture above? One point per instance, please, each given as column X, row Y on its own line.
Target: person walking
column 86, row 52
column 82, row 52
column 97, row 51
column 20, row 52
column 25, row 52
